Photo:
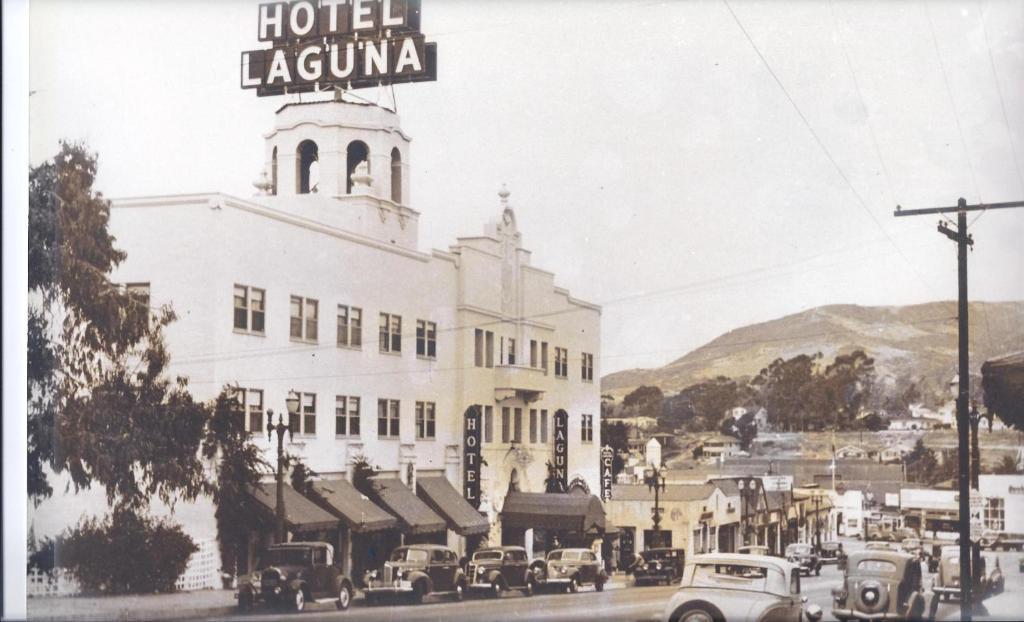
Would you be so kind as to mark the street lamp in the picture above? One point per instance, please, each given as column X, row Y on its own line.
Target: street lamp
column 655, row 481
column 292, row 403
column 817, row 521
column 746, row 486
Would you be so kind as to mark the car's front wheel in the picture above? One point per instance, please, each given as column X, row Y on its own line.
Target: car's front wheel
column 599, row 585
column 460, row 591
column 573, row 586
column 817, row 570
column 299, row 602
column 245, row 600
column 344, row 598
column 696, row 615
column 530, row 587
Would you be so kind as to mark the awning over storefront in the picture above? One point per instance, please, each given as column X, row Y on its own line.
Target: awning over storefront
column 559, row 511
column 1003, row 381
column 353, row 508
column 414, row 515
column 442, row 497
column 300, row 514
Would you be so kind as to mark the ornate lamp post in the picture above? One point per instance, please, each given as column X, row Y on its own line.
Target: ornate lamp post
column 292, row 402
column 817, row 521
column 746, row 486
column 655, row 481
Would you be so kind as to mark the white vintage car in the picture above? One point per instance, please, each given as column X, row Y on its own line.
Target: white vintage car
column 731, row 586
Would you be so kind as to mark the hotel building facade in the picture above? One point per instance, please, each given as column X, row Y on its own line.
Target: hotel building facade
column 317, row 286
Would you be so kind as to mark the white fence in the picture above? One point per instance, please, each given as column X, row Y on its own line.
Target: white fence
column 201, row 573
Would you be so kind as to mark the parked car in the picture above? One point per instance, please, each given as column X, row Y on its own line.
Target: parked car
column 878, row 532
column 294, row 574
column 415, row 571
column 880, row 585
column 656, row 566
column 753, row 549
column 912, row 546
column 829, row 552
column 569, row 569
column 996, row 540
column 947, row 582
column 498, row 568
column 901, row 534
column 880, row 546
column 804, row 556
column 732, row 586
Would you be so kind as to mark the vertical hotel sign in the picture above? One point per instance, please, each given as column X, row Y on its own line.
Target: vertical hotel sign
column 562, row 448
column 317, row 45
column 471, row 457
column 607, row 459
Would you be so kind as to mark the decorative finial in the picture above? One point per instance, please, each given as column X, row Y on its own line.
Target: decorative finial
column 262, row 183
column 504, row 194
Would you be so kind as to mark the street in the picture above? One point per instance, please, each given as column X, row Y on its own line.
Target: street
column 642, row 604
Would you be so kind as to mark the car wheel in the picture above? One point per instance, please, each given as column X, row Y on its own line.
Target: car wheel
column 418, row 592
column 817, row 570
column 599, row 585
column 573, row 586
column 344, row 598
column 496, row 588
column 530, row 587
column 245, row 600
column 697, row 615
column 460, row 591
column 299, row 602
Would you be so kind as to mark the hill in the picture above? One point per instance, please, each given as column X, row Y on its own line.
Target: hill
column 916, row 343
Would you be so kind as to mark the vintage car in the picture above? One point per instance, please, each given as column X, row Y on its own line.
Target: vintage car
column 415, row 571
column 804, row 556
column 880, row 585
column 996, row 540
column 730, row 586
column 878, row 532
column 498, row 568
column 569, row 569
column 294, row 574
column 947, row 582
column 880, row 546
column 903, row 533
column 753, row 549
column 655, row 566
column 912, row 546
column 830, row 552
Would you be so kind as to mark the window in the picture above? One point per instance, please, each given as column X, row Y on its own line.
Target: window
column 396, row 175
column 390, row 333
column 304, row 317
column 387, row 418
column 533, row 425
column 506, row 423
column 356, row 153
column 249, row 404
column 544, row 426
column 273, row 172
column 533, row 353
column 587, row 429
column 425, row 420
column 489, row 339
column 588, row 367
column 426, row 339
column 249, row 308
column 561, row 363
column 309, row 413
column 478, row 348
column 995, row 514
column 350, row 326
column 544, row 356
column 517, row 430
column 488, row 424
column 307, row 170
column 511, row 351
column 346, row 416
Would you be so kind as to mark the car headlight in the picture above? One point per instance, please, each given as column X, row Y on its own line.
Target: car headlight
column 562, row 569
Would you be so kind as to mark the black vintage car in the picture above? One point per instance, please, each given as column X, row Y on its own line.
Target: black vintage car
column 830, row 552
column 294, row 574
column 498, row 568
column 881, row 585
column 569, row 569
column 655, row 566
column 415, row 571
column 804, row 556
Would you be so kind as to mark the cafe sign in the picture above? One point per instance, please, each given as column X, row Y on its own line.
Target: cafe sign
column 471, row 456
column 350, row 44
column 561, row 422
column 607, row 459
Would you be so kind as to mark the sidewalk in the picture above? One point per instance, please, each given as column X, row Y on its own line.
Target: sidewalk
column 177, row 606
column 1005, row 606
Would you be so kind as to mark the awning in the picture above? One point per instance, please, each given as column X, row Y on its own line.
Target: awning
column 1003, row 381
column 442, row 497
column 353, row 508
column 561, row 511
column 300, row 514
column 415, row 517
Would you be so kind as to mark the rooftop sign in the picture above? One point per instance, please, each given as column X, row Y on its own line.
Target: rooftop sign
column 351, row 44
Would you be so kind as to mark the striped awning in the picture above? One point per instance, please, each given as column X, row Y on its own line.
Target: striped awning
column 300, row 514
column 460, row 516
column 354, row 509
column 414, row 516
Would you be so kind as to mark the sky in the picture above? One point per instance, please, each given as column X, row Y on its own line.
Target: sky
column 692, row 167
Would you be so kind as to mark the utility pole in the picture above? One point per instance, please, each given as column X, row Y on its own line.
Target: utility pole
column 963, row 423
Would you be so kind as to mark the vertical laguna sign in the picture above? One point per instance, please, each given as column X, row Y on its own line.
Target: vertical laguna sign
column 471, row 456
column 317, row 45
column 607, row 459
column 561, row 430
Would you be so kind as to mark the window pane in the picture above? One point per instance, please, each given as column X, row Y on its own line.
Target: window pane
column 241, row 313
column 309, row 413
column 506, row 415
column 478, row 348
column 294, row 421
column 257, row 307
column 385, row 340
column 296, row 317
column 421, row 338
column 241, row 319
column 311, row 320
column 396, row 333
column 382, row 418
column 394, row 418
column 340, row 415
column 353, row 416
column 488, row 424
column 543, row 426
column 342, row 325
column 518, row 436
column 533, row 425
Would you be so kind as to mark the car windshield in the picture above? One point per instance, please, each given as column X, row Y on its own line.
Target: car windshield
column 830, row 546
column 909, row 542
column 564, row 556
column 410, row 555
column 877, row 565
column 286, row 556
column 798, row 549
column 482, row 555
column 649, row 555
column 734, row 576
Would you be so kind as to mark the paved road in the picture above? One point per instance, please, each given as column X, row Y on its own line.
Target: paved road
column 643, row 604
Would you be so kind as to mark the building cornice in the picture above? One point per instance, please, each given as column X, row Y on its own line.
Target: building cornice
column 327, row 125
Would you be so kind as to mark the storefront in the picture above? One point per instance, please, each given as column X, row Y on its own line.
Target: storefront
column 367, row 531
column 542, row 521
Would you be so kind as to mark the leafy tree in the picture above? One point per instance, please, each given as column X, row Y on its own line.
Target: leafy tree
column 1008, row 465
column 99, row 406
column 743, row 428
column 645, row 401
column 362, row 473
column 787, row 392
column 846, row 386
column 704, row 404
column 873, row 422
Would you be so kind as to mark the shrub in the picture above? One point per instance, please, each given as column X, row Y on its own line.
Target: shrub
column 125, row 553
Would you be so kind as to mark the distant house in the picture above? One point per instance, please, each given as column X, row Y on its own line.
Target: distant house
column 912, row 423
column 639, row 423
column 719, row 446
column 760, row 416
column 895, row 453
column 851, row 452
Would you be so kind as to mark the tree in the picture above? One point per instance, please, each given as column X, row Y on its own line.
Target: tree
column 787, row 391
column 703, row 405
column 846, row 387
column 362, row 474
column 99, row 406
column 743, row 428
column 1008, row 465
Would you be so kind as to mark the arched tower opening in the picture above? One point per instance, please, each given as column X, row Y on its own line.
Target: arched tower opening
column 356, row 152
column 307, row 175
column 396, row 175
column 273, row 172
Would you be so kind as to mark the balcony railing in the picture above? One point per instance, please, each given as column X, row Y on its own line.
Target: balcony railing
column 520, row 381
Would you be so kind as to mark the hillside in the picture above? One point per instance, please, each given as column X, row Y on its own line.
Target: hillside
column 916, row 342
